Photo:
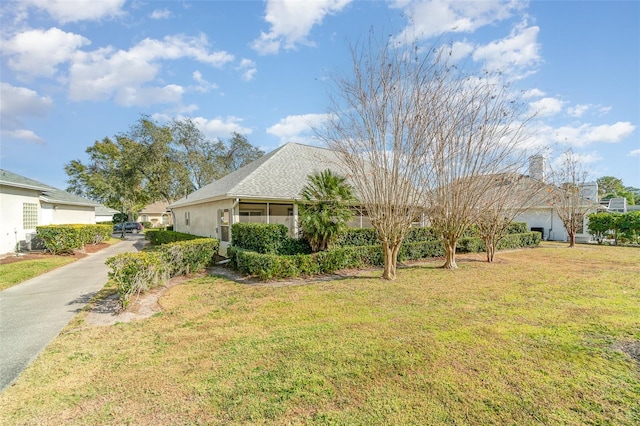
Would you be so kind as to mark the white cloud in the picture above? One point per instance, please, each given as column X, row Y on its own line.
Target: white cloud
column 578, row 110
column 634, row 153
column 145, row 96
column 546, row 107
column 513, row 54
column 248, row 68
column 291, row 21
column 433, row 18
column 23, row 135
column 39, row 52
column 17, row 104
column 585, row 134
column 65, row 11
column 297, row 128
column 160, row 14
column 100, row 74
column 20, row 101
column 220, row 127
column 203, row 85
column 533, row 93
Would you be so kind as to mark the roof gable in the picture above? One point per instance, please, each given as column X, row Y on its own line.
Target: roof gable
column 280, row 174
column 48, row 193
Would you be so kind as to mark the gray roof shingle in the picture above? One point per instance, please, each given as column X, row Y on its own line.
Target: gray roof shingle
column 280, row 174
column 48, row 193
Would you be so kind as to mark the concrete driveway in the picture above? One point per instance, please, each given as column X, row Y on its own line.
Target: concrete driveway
column 34, row 312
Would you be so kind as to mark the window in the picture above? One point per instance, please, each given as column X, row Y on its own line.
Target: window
column 187, row 218
column 29, row 215
column 224, row 220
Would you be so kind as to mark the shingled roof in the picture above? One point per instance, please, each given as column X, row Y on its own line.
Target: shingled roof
column 48, row 193
column 278, row 175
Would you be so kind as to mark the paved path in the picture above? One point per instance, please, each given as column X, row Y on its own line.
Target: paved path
column 34, row 312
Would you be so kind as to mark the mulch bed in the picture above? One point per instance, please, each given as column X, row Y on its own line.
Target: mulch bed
column 78, row 254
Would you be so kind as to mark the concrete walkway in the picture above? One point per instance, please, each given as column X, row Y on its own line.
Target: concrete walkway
column 34, row 312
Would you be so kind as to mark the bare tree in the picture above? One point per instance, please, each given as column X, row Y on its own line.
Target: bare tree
column 378, row 126
column 418, row 134
column 510, row 195
column 568, row 196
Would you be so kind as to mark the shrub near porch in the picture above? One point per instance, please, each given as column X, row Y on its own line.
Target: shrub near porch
column 267, row 252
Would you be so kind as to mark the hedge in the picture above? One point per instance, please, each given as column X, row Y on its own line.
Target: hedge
column 271, row 266
column 267, row 239
column 63, row 239
column 159, row 236
column 140, row 271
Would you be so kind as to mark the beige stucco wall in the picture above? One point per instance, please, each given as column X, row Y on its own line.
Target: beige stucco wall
column 203, row 220
column 60, row 214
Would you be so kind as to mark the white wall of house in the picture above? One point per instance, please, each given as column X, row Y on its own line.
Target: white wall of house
column 62, row 214
column 549, row 220
column 12, row 201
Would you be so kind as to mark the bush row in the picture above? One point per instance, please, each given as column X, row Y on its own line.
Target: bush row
column 137, row 272
column 268, row 266
column 267, row 239
column 63, row 239
column 160, row 236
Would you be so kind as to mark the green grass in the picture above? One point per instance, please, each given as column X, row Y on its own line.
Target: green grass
column 531, row 339
column 17, row 272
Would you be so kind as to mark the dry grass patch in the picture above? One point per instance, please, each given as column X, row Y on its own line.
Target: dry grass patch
column 532, row 339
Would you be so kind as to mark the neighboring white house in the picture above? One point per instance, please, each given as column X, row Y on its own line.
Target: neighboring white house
column 26, row 203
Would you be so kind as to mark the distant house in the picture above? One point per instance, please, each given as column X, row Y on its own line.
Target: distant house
column 26, row 203
column 104, row 213
column 157, row 213
column 263, row 191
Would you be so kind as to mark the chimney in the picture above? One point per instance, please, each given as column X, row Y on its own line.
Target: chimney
column 537, row 165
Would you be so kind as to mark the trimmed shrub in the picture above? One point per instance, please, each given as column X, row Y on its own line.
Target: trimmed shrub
column 158, row 237
column 260, row 237
column 357, row 237
column 184, row 257
column 420, row 250
column 64, row 239
column 517, row 228
column 137, row 272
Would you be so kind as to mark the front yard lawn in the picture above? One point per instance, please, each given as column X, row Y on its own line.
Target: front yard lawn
column 543, row 336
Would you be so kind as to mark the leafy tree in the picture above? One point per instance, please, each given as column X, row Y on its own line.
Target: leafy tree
column 324, row 210
column 152, row 162
column 629, row 226
column 601, row 225
column 612, row 187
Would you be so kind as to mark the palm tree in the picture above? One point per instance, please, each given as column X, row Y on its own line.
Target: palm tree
column 324, row 210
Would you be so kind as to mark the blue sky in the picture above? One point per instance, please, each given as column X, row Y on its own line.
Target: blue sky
column 74, row 72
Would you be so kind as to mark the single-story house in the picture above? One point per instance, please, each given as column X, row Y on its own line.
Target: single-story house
column 266, row 191
column 104, row 213
column 26, row 203
column 263, row 191
column 157, row 213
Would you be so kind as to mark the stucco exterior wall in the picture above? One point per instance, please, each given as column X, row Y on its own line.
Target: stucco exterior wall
column 60, row 214
column 549, row 220
column 11, row 220
column 203, row 220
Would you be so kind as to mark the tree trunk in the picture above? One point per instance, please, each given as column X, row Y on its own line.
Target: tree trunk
column 390, row 260
column 450, row 253
column 572, row 239
column 491, row 251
